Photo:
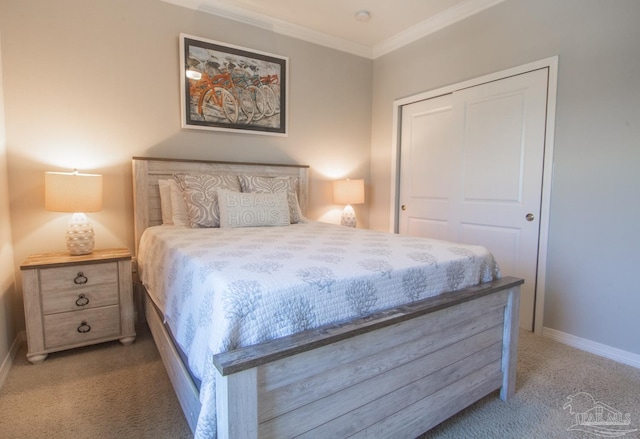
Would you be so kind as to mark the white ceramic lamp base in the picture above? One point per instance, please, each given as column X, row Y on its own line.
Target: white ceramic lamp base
column 80, row 236
column 348, row 216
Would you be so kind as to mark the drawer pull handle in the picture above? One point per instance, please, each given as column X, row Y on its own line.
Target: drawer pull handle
column 82, row 300
column 84, row 328
column 80, row 279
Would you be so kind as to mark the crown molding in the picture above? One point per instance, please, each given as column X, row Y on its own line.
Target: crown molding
column 272, row 24
column 434, row 24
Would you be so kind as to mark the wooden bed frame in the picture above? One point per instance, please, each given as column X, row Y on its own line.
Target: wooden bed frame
column 397, row 373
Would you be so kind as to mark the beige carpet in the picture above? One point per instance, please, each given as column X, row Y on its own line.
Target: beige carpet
column 102, row 391
column 548, row 373
column 113, row 391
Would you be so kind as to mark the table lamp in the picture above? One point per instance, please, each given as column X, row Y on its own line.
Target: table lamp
column 348, row 192
column 75, row 193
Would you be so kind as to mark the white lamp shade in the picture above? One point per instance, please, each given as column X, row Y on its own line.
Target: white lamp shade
column 348, row 191
column 73, row 192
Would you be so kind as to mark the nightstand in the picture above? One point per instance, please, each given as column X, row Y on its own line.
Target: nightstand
column 73, row 301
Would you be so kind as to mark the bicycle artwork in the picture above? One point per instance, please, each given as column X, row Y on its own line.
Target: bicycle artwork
column 232, row 88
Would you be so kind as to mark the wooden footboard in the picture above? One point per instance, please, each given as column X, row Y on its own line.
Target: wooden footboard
column 396, row 374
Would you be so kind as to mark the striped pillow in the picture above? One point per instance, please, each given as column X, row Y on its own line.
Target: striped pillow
column 200, row 194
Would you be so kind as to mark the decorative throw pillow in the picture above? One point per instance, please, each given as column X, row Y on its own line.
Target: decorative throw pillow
column 200, row 194
column 245, row 209
column 295, row 213
column 265, row 185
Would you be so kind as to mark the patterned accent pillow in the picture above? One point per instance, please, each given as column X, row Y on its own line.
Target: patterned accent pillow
column 295, row 214
column 200, row 194
column 266, row 185
column 245, row 209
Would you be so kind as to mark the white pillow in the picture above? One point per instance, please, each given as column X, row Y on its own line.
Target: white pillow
column 263, row 185
column 243, row 209
column 179, row 211
column 165, row 202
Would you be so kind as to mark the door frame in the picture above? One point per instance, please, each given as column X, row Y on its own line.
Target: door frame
column 551, row 64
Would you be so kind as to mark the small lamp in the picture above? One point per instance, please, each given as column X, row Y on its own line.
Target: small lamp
column 348, row 192
column 75, row 193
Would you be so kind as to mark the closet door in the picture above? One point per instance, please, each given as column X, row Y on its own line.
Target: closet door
column 429, row 163
column 471, row 166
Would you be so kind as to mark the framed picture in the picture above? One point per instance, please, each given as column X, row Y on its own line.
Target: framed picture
column 232, row 88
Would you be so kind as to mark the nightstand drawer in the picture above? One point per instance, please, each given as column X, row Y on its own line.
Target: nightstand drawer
column 79, row 287
column 66, row 329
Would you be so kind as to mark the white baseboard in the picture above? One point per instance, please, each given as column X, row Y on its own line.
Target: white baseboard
column 7, row 362
column 600, row 349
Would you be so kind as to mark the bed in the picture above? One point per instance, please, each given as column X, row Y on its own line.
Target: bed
column 395, row 371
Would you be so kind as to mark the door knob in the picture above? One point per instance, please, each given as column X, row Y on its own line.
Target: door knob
column 403, row 207
column 529, row 217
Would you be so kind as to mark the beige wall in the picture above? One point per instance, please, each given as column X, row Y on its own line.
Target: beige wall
column 591, row 288
column 7, row 277
column 91, row 83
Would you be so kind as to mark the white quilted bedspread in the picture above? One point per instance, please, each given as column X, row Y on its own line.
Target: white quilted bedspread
column 221, row 289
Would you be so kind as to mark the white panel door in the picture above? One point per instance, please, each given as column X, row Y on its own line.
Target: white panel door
column 489, row 161
column 427, row 173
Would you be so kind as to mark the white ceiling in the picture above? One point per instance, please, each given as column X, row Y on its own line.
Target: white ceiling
column 332, row 23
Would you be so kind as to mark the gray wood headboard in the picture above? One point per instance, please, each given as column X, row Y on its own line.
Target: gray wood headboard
column 148, row 170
